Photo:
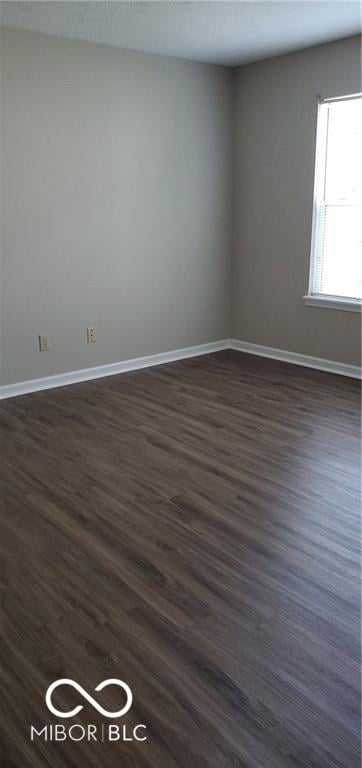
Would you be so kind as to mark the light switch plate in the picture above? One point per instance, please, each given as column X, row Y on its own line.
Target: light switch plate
column 44, row 342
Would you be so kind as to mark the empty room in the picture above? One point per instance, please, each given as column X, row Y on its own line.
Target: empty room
column 180, row 365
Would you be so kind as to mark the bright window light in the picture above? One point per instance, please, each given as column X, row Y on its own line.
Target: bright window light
column 336, row 238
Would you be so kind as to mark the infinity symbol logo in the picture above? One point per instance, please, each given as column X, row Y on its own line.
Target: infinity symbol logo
column 92, row 701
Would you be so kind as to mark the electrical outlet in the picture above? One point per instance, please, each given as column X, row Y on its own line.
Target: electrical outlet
column 44, row 342
column 91, row 334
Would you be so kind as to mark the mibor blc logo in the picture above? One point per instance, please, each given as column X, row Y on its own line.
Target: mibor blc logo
column 89, row 732
column 92, row 701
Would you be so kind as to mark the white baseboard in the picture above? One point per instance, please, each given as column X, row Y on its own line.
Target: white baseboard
column 295, row 358
column 100, row 371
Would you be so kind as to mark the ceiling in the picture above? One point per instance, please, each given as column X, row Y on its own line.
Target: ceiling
column 221, row 32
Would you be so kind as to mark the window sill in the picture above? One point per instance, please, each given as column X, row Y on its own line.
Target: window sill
column 333, row 302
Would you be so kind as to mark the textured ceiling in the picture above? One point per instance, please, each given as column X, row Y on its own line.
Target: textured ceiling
column 222, row 32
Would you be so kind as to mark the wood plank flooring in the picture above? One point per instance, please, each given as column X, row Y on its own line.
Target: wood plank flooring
column 191, row 529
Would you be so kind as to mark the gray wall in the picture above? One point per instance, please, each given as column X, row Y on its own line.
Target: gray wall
column 117, row 209
column 276, row 113
column 117, row 203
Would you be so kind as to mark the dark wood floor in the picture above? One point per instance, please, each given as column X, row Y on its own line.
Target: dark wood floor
column 193, row 530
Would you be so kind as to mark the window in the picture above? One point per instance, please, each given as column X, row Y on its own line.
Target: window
column 335, row 270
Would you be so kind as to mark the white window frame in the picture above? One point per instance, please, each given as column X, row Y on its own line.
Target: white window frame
column 321, row 299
